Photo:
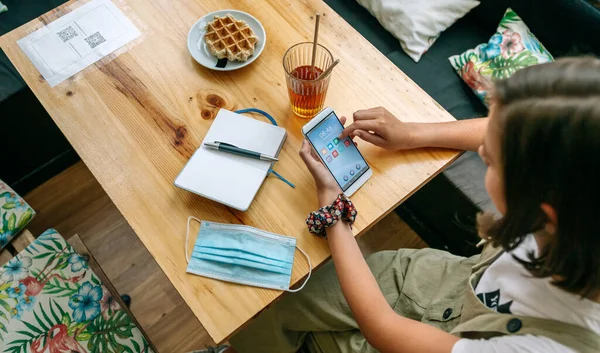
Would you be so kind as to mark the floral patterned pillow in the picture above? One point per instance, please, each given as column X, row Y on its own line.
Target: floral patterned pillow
column 51, row 301
column 15, row 213
column 513, row 47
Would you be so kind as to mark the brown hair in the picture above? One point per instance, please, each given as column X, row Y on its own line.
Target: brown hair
column 549, row 115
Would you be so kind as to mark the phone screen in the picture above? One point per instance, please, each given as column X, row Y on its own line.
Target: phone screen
column 341, row 157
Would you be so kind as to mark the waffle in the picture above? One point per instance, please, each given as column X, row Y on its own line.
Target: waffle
column 227, row 37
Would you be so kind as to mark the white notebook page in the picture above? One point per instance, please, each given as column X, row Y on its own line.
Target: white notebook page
column 227, row 178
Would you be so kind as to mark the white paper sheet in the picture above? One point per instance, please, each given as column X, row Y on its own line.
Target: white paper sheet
column 78, row 39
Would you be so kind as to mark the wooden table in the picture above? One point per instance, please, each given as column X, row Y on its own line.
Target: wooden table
column 135, row 119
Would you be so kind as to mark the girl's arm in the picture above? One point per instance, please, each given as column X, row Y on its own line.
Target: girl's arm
column 382, row 327
column 379, row 127
column 460, row 135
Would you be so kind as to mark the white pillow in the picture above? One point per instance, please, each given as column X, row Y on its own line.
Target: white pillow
column 417, row 23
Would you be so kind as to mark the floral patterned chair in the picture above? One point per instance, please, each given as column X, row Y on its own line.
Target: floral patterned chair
column 54, row 298
column 53, row 295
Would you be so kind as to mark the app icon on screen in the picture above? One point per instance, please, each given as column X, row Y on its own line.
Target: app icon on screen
column 324, row 151
column 358, row 167
column 345, row 178
column 336, row 141
column 335, row 154
column 330, row 146
column 328, row 159
column 347, row 143
column 351, row 172
column 340, row 148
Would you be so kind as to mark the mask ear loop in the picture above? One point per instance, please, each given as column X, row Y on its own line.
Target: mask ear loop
column 309, row 273
column 187, row 234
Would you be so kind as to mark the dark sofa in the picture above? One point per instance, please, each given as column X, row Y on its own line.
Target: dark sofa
column 443, row 211
column 38, row 150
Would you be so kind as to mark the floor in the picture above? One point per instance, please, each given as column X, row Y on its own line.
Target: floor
column 74, row 203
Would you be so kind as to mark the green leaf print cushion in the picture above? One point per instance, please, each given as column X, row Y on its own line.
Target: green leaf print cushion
column 15, row 213
column 51, row 301
column 511, row 48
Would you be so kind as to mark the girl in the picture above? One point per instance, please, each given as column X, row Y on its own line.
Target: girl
column 536, row 285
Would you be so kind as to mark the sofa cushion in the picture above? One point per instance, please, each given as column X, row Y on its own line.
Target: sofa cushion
column 510, row 49
column 53, row 301
column 15, row 214
column 417, row 24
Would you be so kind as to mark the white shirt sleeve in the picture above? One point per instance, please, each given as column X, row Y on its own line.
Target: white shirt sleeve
column 511, row 344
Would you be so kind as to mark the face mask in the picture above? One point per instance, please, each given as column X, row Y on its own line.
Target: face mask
column 242, row 254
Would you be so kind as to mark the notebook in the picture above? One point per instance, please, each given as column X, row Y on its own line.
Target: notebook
column 227, row 178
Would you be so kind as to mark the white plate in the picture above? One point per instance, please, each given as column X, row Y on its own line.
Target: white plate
column 200, row 51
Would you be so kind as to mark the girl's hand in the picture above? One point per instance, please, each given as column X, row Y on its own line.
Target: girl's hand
column 379, row 127
column 327, row 188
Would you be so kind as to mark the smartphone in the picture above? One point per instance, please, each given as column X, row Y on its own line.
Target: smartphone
column 340, row 156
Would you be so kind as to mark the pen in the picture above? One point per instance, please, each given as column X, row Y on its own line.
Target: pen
column 229, row 148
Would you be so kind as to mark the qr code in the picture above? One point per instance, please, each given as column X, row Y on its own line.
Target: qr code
column 67, row 34
column 95, row 40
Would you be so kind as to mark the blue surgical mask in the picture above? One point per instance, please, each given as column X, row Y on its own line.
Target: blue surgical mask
column 242, row 254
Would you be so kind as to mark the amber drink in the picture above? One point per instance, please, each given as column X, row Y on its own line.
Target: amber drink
column 307, row 86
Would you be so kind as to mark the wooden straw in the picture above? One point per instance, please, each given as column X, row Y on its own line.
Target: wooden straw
column 326, row 72
column 314, row 52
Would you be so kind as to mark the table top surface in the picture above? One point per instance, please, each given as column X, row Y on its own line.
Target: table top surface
column 136, row 117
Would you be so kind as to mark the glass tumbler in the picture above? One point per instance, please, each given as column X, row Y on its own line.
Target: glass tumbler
column 307, row 87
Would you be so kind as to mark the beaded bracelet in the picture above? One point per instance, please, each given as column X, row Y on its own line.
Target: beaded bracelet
column 342, row 208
